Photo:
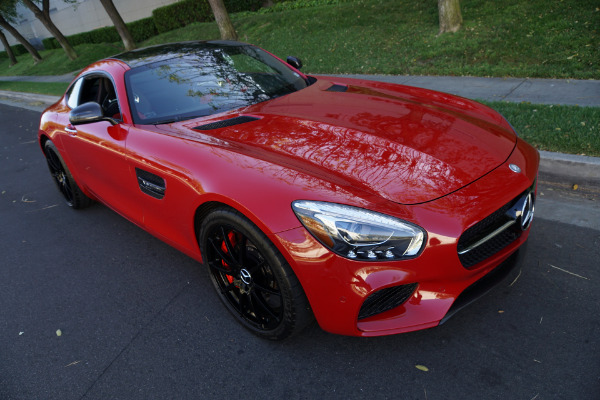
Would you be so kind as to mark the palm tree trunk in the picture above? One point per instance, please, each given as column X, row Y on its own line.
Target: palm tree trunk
column 11, row 57
column 450, row 16
column 223, row 21
column 44, row 17
column 10, row 29
column 119, row 24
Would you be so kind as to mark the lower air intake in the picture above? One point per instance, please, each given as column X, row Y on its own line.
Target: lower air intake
column 386, row 299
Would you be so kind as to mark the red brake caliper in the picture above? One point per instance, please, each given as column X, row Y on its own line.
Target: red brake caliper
column 231, row 237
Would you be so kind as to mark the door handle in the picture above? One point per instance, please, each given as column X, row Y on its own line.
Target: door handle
column 71, row 129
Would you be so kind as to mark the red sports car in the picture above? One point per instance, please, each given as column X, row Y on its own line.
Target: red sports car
column 374, row 208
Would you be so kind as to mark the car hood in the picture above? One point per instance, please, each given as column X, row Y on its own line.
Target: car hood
column 405, row 144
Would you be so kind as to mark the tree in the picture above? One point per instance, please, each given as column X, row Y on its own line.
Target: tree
column 43, row 15
column 11, row 57
column 119, row 24
column 4, row 24
column 449, row 15
column 223, row 21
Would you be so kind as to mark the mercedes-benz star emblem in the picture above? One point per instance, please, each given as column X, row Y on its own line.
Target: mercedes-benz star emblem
column 514, row 168
column 527, row 212
column 522, row 211
column 246, row 277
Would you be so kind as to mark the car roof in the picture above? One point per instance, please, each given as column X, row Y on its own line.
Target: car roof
column 148, row 55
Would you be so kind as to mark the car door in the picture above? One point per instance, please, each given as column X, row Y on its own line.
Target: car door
column 97, row 151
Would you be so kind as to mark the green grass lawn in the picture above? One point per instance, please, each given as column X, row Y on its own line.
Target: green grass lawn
column 55, row 62
column 51, row 88
column 535, row 38
column 566, row 129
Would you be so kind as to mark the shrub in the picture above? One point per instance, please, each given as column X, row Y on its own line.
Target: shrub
column 185, row 12
column 142, row 29
column 18, row 49
column 181, row 14
column 234, row 6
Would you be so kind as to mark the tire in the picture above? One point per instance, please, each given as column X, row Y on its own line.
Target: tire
column 251, row 277
column 64, row 180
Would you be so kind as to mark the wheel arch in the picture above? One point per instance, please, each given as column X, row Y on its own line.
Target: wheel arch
column 213, row 203
column 43, row 138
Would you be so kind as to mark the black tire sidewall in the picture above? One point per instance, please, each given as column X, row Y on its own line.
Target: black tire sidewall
column 79, row 200
column 281, row 270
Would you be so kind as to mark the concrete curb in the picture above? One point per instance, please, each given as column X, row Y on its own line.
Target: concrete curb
column 572, row 167
column 33, row 97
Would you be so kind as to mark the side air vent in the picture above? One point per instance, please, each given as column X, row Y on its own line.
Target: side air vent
column 152, row 185
column 226, row 122
column 337, row 88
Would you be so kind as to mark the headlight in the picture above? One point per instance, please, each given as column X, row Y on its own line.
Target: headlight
column 357, row 233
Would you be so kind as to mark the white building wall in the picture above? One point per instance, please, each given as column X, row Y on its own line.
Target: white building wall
column 83, row 16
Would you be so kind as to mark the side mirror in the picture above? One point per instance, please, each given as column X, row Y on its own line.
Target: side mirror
column 294, row 62
column 88, row 113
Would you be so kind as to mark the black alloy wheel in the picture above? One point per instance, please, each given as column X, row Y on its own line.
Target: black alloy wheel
column 251, row 277
column 64, row 180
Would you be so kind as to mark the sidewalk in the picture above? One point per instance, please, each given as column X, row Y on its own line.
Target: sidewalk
column 537, row 91
column 532, row 90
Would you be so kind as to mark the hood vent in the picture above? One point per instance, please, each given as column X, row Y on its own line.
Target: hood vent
column 337, row 88
column 225, row 123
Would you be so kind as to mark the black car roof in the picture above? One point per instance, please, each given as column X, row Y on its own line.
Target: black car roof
column 147, row 55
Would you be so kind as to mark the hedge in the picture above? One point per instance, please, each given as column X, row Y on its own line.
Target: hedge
column 141, row 30
column 17, row 50
column 180, row 14
column 163, row 19
column 185, row 12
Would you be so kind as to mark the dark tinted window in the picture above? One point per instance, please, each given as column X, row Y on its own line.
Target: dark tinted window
column 206, row 82
column 100, row 89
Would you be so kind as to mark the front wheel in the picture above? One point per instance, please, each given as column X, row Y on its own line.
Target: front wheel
column 64, row 180
column 251, row 277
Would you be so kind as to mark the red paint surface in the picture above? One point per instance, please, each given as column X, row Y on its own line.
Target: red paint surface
column 430, row 158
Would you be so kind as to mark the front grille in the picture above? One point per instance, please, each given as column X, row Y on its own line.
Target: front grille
column 486, row 227
column 491, row 247
column 386, row 299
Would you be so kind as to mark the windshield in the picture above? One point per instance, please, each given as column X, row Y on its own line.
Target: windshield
column 207, row 81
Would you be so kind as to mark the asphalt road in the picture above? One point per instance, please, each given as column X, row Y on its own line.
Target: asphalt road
column 139, row 320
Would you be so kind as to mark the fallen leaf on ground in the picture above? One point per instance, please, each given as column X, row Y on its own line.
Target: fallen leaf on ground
column 422, row 368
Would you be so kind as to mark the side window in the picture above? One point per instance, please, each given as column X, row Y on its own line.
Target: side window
column 73, row 94
column 100, row 89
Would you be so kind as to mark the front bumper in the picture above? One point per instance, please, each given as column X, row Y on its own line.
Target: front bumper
column 337, row 287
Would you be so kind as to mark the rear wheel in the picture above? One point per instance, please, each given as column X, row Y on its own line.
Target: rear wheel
column 64, row 180
column 252, row 278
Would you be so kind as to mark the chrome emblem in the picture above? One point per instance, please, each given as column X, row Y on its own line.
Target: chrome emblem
column 514, row 168
column 246, row 277
column 522, row 212
column 527, row 212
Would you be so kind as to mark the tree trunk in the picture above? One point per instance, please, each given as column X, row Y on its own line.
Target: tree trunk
column 450, row 16
column 222, row 17
column 44, row 17
column 119, row 24
column 11, row 57
column 8, row 27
